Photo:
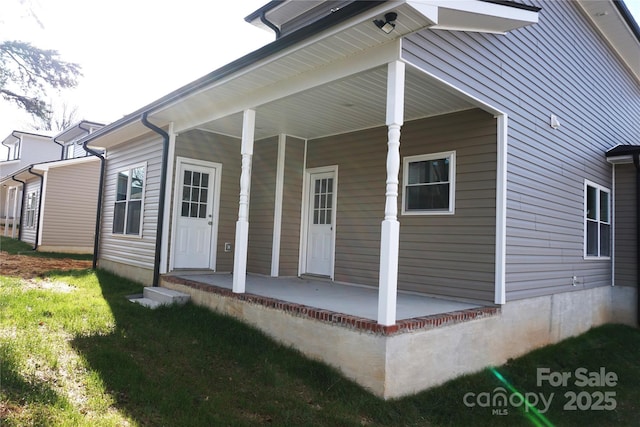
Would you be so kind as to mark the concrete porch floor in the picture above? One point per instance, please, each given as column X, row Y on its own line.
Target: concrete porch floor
column 352, row 300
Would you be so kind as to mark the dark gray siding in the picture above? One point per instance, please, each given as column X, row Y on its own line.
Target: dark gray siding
column 626, row 223
column 559, row 66
column 450, row 255
column 291, row 204
column 222, row 149
column 261, row 206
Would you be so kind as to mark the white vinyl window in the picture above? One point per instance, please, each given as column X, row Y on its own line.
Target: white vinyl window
column 128, row 208
column 429, row 184
column 597, row 221
column 30, row 210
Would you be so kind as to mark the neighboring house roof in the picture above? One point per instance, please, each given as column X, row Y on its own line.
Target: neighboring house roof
column 17, row 134
column 76, row 130
column 24, row 173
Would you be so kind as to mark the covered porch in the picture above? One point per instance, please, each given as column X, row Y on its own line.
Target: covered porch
column 327, row 300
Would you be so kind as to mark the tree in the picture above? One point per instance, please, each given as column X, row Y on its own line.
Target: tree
column 27, row 72
column 57, row 119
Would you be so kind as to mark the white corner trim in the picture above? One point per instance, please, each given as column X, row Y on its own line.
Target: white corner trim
column 277, row 211
column 302, row 252
column 501, row 208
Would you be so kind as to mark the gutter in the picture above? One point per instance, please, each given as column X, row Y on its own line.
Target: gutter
column 265, row 21
column 161, row 198
column 24, row 196
column 96, row 235
column 35, row 246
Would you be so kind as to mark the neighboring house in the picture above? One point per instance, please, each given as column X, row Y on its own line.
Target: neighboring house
column 22, row 149
column 56, row 200
column 450, row 149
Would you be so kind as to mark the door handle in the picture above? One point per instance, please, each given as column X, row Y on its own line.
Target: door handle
column 210, row 222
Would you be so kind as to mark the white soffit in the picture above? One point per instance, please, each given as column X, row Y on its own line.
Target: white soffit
column 609, row 21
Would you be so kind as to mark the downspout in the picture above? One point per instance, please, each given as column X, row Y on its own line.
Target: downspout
column 8, row 148
column 265, row 21
column 24, row 196
column 61, row 148
column 636, row 163
column 161, row 198
column 35, row 246
column 96, row 237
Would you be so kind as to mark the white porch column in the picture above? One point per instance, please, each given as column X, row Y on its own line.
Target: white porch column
column 15, row 221
column 242, row 225
column 390, row 237
column 6, row 210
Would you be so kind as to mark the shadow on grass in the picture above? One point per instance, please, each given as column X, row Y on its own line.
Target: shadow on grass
column 189, row 366
column 18, row 392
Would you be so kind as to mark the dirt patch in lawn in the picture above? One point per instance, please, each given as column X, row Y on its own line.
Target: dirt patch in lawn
column 28, row 267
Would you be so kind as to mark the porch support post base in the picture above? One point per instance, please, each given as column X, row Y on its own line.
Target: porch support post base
column 387, row 295
column 240, row 257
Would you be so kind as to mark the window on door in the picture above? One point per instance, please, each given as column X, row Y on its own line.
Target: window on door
column 195, row 193
column 323, row 201
column 128, row 208
column 597, row 221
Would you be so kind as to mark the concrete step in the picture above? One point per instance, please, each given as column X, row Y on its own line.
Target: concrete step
column 154, row 297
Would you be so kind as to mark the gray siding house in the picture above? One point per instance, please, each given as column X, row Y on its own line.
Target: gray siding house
column 456, row 151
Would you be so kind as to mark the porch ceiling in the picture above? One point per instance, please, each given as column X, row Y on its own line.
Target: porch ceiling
column 352, row 103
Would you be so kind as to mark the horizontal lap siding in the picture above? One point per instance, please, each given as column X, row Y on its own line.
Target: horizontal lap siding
column 70, row 205
column 361, row 158
column 626, row 226
column 261, row 207
column 454, row 255
column 222, row 149
column 450, row 255
column 291, row 204
column 130, row 250
column 559, row 66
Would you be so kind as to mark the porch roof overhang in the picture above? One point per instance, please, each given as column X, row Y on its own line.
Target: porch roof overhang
column 324, row 79
column 623, row 153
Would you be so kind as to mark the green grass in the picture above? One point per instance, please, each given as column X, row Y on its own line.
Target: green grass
column 18, row 247
column 74, row 352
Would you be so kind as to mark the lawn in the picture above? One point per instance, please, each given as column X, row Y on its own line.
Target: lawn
column 74, row 351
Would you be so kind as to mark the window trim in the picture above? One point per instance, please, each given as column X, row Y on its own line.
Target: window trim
column 30, row 213
column 452, row 182
column 142, row 199
column 599, row 188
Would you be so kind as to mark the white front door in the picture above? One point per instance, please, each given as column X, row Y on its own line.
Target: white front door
column 320, row 240
column 195, row 216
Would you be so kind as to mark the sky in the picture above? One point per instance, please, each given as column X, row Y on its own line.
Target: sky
column 133, row 52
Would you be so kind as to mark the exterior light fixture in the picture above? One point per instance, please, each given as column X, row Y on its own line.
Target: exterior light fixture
column 387, row 25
